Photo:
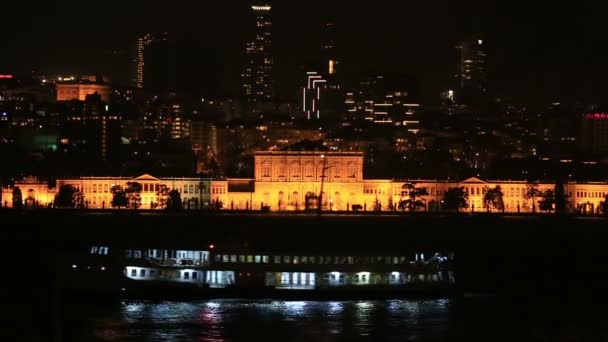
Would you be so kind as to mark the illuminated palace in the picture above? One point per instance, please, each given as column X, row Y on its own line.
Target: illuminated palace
column 293, row 180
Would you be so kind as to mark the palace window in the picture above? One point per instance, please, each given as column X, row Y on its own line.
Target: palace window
column 309, row 170
column 265, row 170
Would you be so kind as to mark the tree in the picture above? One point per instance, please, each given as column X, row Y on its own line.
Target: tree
column 134, row 194
column 66, row 197
column 532, row 193
column 119, row 197
column 174, row 201
column 561, row 198
column 547, row 201
column 604, row 206
column 410, row 190
column 455, row 199
column 493, row 198
column 162, row 195
column 17, row 198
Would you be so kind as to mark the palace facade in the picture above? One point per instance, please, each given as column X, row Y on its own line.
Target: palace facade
column 293, row 180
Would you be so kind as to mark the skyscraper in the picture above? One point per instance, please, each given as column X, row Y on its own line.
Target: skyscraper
column 472, row 77
column 142, row 43
column 328, row 49
column 257, row 74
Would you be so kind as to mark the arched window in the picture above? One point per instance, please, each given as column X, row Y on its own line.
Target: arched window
column 351, row 170
column 266, row 171
column 295, row 170
column 309, row 170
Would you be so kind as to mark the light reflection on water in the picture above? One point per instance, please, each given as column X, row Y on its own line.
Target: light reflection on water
column 266, row 320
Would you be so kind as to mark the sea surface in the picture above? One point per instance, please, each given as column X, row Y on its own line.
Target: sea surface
column 468, row 319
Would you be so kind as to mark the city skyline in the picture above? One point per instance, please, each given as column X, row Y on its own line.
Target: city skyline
column 536, row 53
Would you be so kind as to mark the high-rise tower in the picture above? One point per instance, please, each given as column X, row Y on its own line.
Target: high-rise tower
column 472, row 77
column 328, row 49
column 142, row 43
column 257, row 74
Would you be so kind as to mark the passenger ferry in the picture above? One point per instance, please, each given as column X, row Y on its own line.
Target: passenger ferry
column 235, row 272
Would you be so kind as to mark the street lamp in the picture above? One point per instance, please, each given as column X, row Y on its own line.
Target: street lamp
column 325, row 167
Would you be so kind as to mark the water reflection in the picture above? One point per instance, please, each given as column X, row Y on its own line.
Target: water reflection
column 270, row 320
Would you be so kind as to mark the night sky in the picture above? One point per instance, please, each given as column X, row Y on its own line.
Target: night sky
column 538, row 51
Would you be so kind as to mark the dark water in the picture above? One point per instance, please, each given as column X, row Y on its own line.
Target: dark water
column 480, row 319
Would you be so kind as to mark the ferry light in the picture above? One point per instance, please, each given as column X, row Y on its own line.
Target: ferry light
column 211, row 246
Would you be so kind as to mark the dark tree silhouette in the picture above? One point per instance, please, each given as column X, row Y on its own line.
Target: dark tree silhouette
column 119, row 197
column 532, row 193
column 493, row 198
column 604, row 206
column 174, row 201
column 66, row 197
column 162, row 195
column 17, row 198
column 561, row 198
column 410, row 190
column 455, row 199
column 547, row 201
column 134, row 194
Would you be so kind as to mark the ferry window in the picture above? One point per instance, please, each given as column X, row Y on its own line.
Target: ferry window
column 311, row 259
column 194, row 275
column 258, row 259
column 356, row 278
column 226, row 258
column 250, row 259
column 241, row 258
column 321, row 260
column 137, row 254
column 233, row 258
column 350, row 260
column 94, row 250
column 152, row 273
column 363, row 277
column 296, row 260
column 186, row 275
column 142, row 273
column 392, row 277
column 287, row 259
column 387, row 260
column 333, row 277
column 265, row 259
column 395, row 260
column 218, row 258
column 277, row 259
column 103, row 250
column 304, row 260
column 133, row 273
